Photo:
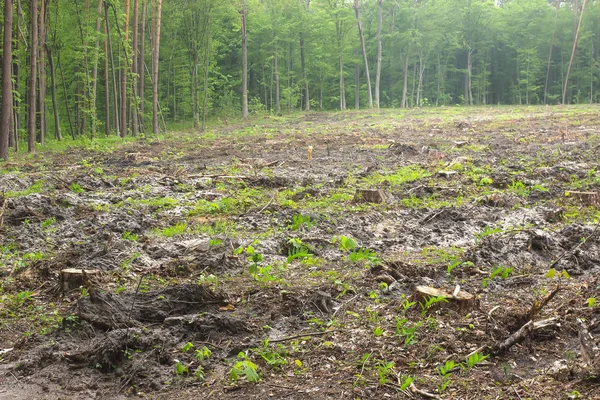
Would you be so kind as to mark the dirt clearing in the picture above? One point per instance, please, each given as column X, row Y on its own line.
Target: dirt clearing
column 442, row 253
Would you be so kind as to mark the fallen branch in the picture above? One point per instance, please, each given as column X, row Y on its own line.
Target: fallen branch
column 522, row 334
column 423, row 393
column 553, row 264
column 538, row 305
column 285, row 339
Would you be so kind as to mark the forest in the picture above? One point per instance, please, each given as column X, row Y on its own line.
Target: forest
column 129, row 67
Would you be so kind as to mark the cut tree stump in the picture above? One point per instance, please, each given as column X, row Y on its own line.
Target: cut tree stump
column 461, row 298
column 586, row 198
column 72, row 278
column 370, row 196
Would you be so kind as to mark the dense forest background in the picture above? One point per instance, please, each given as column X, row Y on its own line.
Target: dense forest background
column 99, row 69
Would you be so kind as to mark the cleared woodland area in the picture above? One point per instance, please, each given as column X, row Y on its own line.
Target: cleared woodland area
column 446, row 253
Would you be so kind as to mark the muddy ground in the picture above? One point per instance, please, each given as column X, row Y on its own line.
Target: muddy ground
column 228, row 257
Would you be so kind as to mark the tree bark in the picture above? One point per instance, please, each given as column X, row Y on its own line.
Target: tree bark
column 379, row 51
column 206, row 68
column 550, row 53
column 32, row 95
column 57, row 132
column 95, row 68
column 566, row 85
column 42, row 73
column 155, row 53
column 277, row 87
column 134, row 69
column 142, row 65
column 6, row 110
column 357, row 86
column 124, row 72
column 112, row 67
column 244, row 64
column 106, row 87
column 364, row 53
column 404, row 102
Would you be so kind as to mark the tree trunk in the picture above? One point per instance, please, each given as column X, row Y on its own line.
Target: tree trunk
column 135, row 70
column 42, row 72
column 206, row 68
column 378, row 72
column 244, row 64
column 16, row 119
column 155, row 53
column 142, row 64
column 277, row 87
column 550, row 53
column 342, row 89
column 112, row 67
column 66, row 96
column 57, row 132
column 404, row 102
column 32, row 95
column 364, row 53
column 566, row 85
column 106, row 87
column 95, row 68
column 357, row 86
column 124, row 71
column 304, row 74
column 468, row 85
column 6, row 110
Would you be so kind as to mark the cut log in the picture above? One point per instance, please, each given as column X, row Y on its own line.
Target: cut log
column 371, row 196
column 586, row 198
column 73, row 278
column 447, row 174
column 461, row 298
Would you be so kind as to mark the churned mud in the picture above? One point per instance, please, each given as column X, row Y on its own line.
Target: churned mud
column 219, row 259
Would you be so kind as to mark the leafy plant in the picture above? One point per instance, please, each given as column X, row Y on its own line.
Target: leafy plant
column 346, row 243
column 365, row 254
column 76, row 188
column 180, row 369
column 187, row 347
column 202, row 354
column 274, row 359
column 297, row 250
column 384, row 369
column 244, row 368
column 474, row 359
column 406, row 330
column 299, row 221
column 429, row 302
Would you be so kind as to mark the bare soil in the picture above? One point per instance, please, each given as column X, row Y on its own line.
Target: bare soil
column 499, row 203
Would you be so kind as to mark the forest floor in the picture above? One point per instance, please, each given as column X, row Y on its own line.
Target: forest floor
column 231, row 257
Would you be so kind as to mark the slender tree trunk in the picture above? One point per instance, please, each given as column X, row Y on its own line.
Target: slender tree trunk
column 124, row 71
column 66, row 95
column 342, row 89
column 304, row 74
column 550, row 53
column 42, row 81
column 57, row 132
column 6, row 110
column 277, row 87
column 32, row 95
column 206, row 68
column 404, row 102
column 135, row 70
column 357, row 86
column 96, row 59
column 379, row 51
column 106, row 86
column 17, row 81
column 244, row 64
column 155, row 54
column 364, row 53
column 566, row 85
column 112, row 67
column 468, row 86
column 142, row 64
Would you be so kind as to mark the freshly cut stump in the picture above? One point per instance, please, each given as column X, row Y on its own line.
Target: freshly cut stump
column 73, row 278
column 370, row 196
column 461, row 298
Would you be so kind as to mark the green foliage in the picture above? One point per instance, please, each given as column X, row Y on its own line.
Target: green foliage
column 429, row 302
column 275, row 358
column 244, row 369
column 299, row 221
column 367, row 255
column 346, row 243
column 297, row 250
column 173, row 230
column 76, row 188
